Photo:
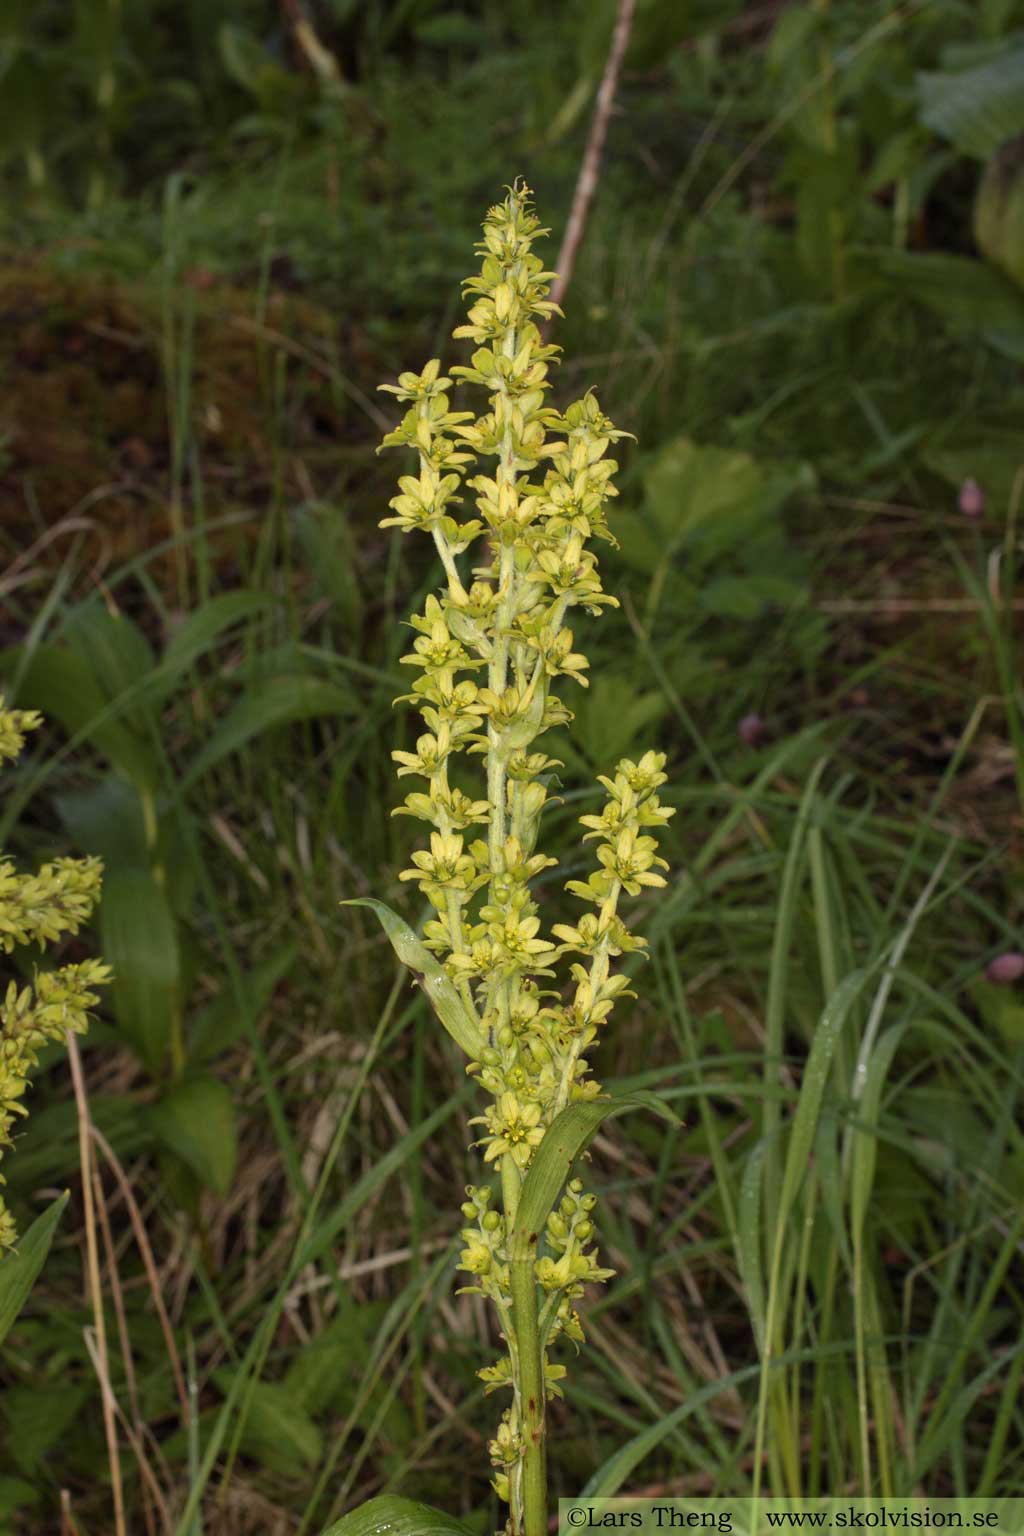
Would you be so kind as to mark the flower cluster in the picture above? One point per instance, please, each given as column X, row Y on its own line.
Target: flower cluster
column 488, row 652
column 39, row 908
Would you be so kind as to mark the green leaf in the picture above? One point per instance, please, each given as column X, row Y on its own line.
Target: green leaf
column 18, row 1270
column 277, row 1432
column 196, row 1121
column 564, row 1140
column 221, row 1022
column 50, row 1149
column 199, row 631
column 976, row 109
column 865, row 1141
column 457, row 1018
column 812, row 1091
column 330, row 551
column 277, row 701
column 969, row 296
column 748, row 1237
column 38, row 1416
column 992, row 456
column 392, row 1516
column 62, row 684
column 611, row 719
column 245, row 59
column 15, row 1494
column 139, row 939
column 1001, row 1008
column 107, row 819
column 118, row 652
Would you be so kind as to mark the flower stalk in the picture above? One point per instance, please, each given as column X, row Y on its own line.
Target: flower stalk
column 488, row 650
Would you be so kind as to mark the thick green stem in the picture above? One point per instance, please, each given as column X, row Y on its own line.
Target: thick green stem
column 531, row 1387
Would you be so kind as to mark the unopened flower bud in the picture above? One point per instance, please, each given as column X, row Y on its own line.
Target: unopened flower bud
column 972, row 499
column 750, row 729
column 1004, row 970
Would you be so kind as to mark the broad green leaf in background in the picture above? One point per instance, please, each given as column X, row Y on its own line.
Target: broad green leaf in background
column 107, row 819
column 330, row 550
column 196, row 1121
column 1002, row 1009
column 999, row 211
column 246, row 60
column 330, row 1376
column 976, row 109
column 278, row 1433
column 992, row 457
column 708, row 500
column 18, row 1270
column 221, row 1022
column 37, row 1416
column 392, row 1516
column 610, row 719
column 139, row 939
column 118, row 654
column 62, row 684
column 278, row 701
column 969, row 296
column 16, row 1494
column 198, row 632
column 456, row 1016
column 51, row 1148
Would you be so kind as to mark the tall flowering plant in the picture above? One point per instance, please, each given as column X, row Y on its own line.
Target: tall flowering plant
column 487, row 654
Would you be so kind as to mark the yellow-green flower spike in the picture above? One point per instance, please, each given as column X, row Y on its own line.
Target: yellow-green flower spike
column 488, row 651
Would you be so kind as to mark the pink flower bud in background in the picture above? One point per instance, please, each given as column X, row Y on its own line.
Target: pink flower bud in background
column 972, row 499
column 750, row 729
column 1005, row 969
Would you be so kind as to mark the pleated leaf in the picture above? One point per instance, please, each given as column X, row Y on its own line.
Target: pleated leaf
column 976, row 109
column 392, row 1516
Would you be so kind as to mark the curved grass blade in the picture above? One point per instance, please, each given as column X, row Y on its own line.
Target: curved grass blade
column 457, row 1018
column 392, row 1516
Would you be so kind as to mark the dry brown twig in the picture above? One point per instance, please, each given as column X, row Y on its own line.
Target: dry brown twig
column 586, row 182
